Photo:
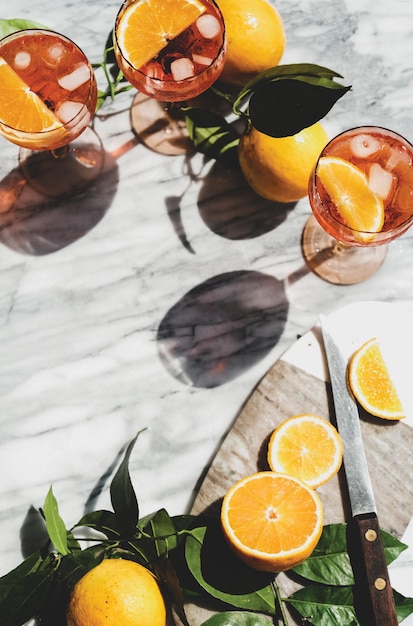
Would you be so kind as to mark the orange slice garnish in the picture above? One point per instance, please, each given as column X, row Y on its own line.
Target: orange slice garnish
column 20, row 108
column 146, row 26
column 360, row 208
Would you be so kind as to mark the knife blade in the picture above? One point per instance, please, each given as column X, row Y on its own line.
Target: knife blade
column 374, row 575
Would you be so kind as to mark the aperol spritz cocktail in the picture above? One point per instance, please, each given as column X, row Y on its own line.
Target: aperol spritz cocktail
column 361, row 195
column 171, row 51
column 47, row 99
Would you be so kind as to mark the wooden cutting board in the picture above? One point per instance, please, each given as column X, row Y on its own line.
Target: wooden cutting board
column 287, row 390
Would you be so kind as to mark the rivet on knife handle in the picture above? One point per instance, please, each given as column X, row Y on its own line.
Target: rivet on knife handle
column 379, row 586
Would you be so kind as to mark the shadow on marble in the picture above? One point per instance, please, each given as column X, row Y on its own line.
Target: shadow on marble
column 222, row 327
column 33, row 224
column 231, row 209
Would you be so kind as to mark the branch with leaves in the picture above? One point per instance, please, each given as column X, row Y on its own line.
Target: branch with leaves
column 279, row 102
column 192, row 562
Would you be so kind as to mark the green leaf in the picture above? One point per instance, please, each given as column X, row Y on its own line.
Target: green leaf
column 26, row 599
column 161, row 527
column 287, row 98
column 404, row 606
column 223, row 576
column 284, row 107
column 54, row 523
column 13, row 25
column 103, row 521
column 322, row 605
column 299, row 71
column 236, row 618
column 122, row 494
column 213, row 136
column 330, row 564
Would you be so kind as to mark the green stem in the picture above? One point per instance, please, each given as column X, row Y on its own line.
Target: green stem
column 279, row 605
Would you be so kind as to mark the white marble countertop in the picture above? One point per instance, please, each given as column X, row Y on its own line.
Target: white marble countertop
column 98, row 293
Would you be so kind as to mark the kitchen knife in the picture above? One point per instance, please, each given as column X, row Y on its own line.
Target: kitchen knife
column 364, row 513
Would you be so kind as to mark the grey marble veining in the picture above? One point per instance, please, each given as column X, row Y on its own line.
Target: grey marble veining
column 160, row 298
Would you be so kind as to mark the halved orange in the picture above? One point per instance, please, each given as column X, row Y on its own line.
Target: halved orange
column 371, row 384
column 308, row 447
column 272, row 521
column 361, row 209
column 20, row 108
column 146, row 26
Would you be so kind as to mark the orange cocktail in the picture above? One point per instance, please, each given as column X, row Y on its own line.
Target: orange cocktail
column 171, row 50
column 361, row 196
column 362, row 188
column 48, row 89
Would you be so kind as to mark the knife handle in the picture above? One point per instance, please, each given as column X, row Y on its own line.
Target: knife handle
column 377, row 576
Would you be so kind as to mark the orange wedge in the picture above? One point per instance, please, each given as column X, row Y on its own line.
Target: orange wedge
column 20, row 108
column 361, row 209
column 308, row 447
column 146, row 26
column 272, row 521
column 370, row 382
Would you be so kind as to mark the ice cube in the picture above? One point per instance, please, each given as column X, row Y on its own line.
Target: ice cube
column 22, row 60
column 363, row 146
column 404, row 199
column 55, row 53
column 399, row 159
column 75, row 79
column 380, row 180
column 182, row 68
column 202, row 60
column 208, row 26
column 68, row 110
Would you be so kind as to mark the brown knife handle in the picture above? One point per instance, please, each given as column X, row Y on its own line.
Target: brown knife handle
column 377, row 576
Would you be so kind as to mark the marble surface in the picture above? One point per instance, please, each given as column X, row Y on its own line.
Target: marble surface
column 159, row 299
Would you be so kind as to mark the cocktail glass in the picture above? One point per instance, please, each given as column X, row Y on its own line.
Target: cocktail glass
column 361, row 196
column 184, row 67
column 48, row 98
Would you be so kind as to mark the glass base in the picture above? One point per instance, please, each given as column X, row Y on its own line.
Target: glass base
column 336, row 262
column 66, row 171
column 160, row 126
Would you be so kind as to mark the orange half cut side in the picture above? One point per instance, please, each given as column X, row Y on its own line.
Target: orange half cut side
column 272, row 521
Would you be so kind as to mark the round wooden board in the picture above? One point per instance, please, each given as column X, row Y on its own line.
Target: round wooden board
column 287, row 390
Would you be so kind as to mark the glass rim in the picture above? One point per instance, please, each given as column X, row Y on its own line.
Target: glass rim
column 368, row 127
column 92, row 81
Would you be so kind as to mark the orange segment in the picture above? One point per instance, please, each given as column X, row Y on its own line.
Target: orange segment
column 20, row 108
column 307, row 447
column 361, row 209
column 147, row 26
column 370, row 382
column 272, row 521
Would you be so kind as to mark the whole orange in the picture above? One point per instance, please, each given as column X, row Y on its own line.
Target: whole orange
column 255, row 39
column 117, row 592
column 278, row 168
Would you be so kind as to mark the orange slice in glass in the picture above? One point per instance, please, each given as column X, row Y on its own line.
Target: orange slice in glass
column 147, row 26
column 371, row 384
column 20, row 108
column 308, row 447
column 272, row 521
column 360, row 208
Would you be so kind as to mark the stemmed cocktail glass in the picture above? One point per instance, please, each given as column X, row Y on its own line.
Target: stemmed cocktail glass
column 171, row 51
column 361, row 195
column 47, row 99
